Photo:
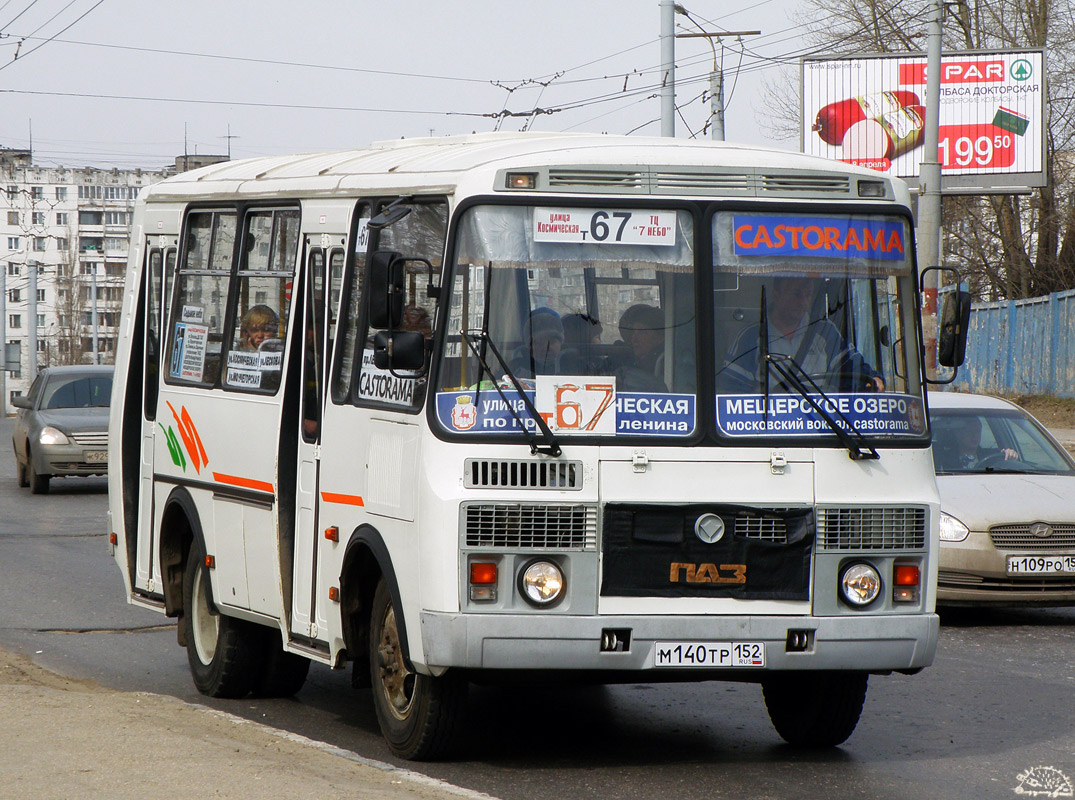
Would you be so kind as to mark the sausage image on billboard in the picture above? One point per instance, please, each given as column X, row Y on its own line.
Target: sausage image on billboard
column 833, row 121
column 885, row 137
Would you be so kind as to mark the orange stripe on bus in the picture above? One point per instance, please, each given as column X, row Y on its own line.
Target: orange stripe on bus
column 345, row 499
column 245, row 483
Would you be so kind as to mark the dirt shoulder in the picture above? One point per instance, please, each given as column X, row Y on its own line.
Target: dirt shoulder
column 1052, row 412
column 71, row 738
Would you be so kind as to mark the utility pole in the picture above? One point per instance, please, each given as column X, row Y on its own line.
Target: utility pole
column 716, row 77
column 3, row 341
column 93, row 313
column 31, row 312
column 668, row 68
column 929, row 187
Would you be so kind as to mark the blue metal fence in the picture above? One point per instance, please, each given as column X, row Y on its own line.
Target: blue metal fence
column 1022, row 347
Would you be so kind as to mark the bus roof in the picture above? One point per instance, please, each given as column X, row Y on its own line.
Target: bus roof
column 445, row 162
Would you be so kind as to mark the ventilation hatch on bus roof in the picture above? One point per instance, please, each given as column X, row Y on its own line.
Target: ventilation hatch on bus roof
column 684, row 180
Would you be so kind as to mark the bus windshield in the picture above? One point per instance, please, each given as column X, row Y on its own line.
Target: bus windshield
column 590, row 309
column 591, row 312
column 820, row 307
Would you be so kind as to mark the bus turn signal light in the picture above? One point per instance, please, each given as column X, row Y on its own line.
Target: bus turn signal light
column 483, row 575
column 905, row 578
column 906, row 575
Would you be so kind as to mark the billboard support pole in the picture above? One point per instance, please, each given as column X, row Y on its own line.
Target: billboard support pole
column 929, row 204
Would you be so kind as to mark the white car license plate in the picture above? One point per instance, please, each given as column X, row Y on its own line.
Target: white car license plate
column 96, row 456
column 709, row 654
column 1041, row 565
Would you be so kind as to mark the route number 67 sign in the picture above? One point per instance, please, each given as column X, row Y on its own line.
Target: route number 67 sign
column 579, row 404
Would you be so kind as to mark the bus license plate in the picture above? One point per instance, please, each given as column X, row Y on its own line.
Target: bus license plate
column 96, row 456
column 709, row 654
column 1041, row 565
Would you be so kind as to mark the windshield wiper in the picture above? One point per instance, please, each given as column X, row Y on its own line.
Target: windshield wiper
column 849, row 436
column 551, row 447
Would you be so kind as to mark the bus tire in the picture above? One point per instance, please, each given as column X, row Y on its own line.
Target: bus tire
column 222, row 651
column 815, row 709
column 282, row 674
column 419, row 715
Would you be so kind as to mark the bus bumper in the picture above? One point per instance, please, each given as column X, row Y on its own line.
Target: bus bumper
column 515, row 641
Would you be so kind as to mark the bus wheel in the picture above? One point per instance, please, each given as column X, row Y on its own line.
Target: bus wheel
column 815, row 709
column 282, row 673
column 222, row 651
column 419, row 715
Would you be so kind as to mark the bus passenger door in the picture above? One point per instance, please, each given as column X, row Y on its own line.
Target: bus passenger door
column 160, row 264
column 307, row 620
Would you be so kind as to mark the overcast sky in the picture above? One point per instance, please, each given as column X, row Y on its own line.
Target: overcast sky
column 132, row 82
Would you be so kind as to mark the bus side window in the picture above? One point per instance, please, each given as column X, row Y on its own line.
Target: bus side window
column 419, row 235
column 266, row 272
column 349, row 310
column 155, row 275
column 197, row 317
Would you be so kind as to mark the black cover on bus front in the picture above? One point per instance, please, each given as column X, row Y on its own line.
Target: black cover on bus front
column 654, row 551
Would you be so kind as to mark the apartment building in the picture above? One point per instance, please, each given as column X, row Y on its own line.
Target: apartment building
column 64, row 238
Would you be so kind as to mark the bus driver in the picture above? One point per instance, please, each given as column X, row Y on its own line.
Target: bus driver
column 815, row 344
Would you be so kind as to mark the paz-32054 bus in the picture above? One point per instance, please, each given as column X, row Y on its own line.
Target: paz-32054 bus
column 467, row 408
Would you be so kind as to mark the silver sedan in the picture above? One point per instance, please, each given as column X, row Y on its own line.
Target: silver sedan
column 62, row 425
column 1007, row 505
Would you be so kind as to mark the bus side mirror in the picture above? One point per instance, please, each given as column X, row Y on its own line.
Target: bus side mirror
column 386, row 289
column 952, row 334
column 399, row 350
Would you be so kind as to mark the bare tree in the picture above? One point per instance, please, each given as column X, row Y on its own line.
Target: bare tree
column 1016, row 246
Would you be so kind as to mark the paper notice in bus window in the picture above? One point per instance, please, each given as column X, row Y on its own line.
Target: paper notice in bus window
column 382, row 386
column 188, row 352
column 244, row 378
column 194, row 314
column 605, row 226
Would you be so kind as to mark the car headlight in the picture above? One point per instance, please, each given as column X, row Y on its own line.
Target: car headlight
column 51, row 435
column 952, row 530
column 542, row 583
column 860, row 584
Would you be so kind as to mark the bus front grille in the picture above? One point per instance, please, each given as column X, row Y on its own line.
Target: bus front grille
column 871, row 528
column 526, row 526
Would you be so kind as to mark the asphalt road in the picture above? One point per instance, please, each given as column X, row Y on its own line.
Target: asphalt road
column 996, row 704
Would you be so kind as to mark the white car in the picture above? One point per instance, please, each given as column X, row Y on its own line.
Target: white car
column 1007, row 504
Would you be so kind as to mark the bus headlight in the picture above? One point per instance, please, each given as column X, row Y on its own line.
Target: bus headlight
column 952, row 530
column 542, row 583
column 51, row 435
column 860, row 584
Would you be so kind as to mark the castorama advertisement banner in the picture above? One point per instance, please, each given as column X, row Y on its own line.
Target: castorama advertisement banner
column 871, row 111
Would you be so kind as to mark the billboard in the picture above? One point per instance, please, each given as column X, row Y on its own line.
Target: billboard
column 871, row 111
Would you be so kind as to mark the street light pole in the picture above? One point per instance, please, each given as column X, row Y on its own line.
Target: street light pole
column 668, row 68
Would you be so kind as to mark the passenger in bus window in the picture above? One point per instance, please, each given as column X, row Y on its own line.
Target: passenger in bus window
column 582, row 337
column 543, row 339
column 416, row 318
column 259, row 324
column 639, row 358
column 642, row 333
column 798, row 330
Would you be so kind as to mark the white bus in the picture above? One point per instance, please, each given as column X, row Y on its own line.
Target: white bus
column 475, row 407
